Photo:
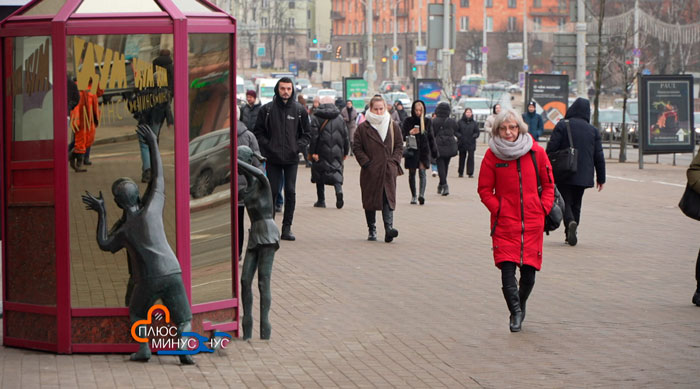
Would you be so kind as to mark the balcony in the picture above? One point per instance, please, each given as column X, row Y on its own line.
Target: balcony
column 337, row 15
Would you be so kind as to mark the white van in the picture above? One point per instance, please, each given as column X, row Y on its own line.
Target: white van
column 240, row 90
column 266, row 89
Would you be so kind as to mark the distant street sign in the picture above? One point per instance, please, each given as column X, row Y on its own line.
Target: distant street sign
column 329, row 47
column 421, row 55
column 394, row 49
column 293, row 68
column 395, row 57
column 526, row 68
column 485, row 49
column 319, row 55
column 260, row 50
column 515, row 50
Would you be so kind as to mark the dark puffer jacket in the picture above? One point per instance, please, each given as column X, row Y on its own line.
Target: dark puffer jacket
column 282, row 129
column 425, row 139
column 249, row 114
column 467, row 132
column 586, row 140
column 445, row 129
column 330, row 143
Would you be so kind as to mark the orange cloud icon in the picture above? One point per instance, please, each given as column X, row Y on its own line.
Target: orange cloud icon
column 149, row 320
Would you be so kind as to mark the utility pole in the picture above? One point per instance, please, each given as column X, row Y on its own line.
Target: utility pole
column 484, row 50
column 525, row 64
column 446, row 29
column 581, row 50
column 420, row 33
column 259, row 58
column 637, row 51
column 371, row 74
column 395, row 61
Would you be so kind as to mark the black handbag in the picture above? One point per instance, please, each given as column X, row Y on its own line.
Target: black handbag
column 690, row 203
column 553, row 219
column 565, row 161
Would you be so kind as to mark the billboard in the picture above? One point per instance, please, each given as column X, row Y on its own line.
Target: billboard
column 551, row 93
column 355, row 89
column 429, row 90
column 666, row 114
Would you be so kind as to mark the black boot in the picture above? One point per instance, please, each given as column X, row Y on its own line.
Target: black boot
column 524, row 293
column 412, row 186
column 513, row 300
column 439, row 191
column 321, row 194
column 79, row 163
column 696, row 297
column 371, row 217
column 445, row 190
column 389, row 231
column 287, row 233
column 339, row 200
column 72, row 157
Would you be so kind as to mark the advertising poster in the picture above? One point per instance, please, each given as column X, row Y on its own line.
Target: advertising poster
column 429, row 90
column 666, row 114
column 551, row 93
column 356, row 90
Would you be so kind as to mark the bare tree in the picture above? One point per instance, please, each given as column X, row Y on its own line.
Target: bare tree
column 279, row 28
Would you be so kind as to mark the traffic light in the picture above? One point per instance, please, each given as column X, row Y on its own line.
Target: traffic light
column 383, row 59
column 338, row 52
column 414, row 68
column 315, row 41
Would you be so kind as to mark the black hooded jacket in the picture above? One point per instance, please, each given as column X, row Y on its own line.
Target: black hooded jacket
column 282, row 129
column 467, row 132
column 445, row 129
column 330, row 143
column 425, row 139
column 586, row 140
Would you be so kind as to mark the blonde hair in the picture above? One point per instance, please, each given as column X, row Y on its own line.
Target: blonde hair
column 505, row 115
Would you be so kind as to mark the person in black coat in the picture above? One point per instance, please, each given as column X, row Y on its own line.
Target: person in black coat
column 250, row 110
column 587, row 141
column 398, row 106
column 444, row 129
column 329, row 147
column 467, row 133
column 418, row 158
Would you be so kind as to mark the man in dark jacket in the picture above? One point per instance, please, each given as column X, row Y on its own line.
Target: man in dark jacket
column 444, row 129
column 467, row 132
column 329, row 148
column 250, row 110
column 398, row 105
column 586, row 139
column 282, row 129
column 535, row 125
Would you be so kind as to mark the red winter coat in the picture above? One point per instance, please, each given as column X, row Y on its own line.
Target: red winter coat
column 517, row 213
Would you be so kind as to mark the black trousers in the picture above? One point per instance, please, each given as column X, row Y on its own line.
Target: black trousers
column 573, row 196
column 321, row 190
column 466, row 156
column 527, row 274
column 443, row 166
column 275, row 173
column 697, row 271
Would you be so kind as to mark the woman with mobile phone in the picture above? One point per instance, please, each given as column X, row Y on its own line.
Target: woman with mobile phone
column 420, row 146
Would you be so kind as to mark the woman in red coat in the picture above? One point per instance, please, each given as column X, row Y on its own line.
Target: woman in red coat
column 508, row 188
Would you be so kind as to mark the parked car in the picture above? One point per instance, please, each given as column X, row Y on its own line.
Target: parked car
column 504, row 84
column 610, row 120
column 496, row 94
column 303, row 83
column 632, row 107
column 514, row 88
column 481, row 109
column 390, row 86
column 266, row 89
column 308, row 94
column 465, row 90
column 327, row 92
column 210, row 162
column 401, row 96
column 338, row 87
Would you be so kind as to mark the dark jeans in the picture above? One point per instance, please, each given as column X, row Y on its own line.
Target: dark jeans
column 573, row 196
column 468, row 157
column 275, row 174
column 443, row 166
column 527, row 274
column 321, row 191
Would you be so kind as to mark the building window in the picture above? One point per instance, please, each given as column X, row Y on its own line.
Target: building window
column 537, row 4
column 290, row 22
column 464, row 23
column 512, row 23
column 291, row 5
column 562, row 4
column 291, row 41
column 464, row 3
column 562, row 24
column 537, row 22
column 266, row 3
column 512, row 3
column 489, row 3
column 489, row 24
column 308, row 14
column 263, row 21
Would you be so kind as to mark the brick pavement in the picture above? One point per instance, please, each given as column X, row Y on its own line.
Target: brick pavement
column 427, row 310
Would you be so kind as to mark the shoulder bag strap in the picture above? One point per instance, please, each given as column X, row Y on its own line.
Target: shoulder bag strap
column 537, row 172
column 568, row 131
column 319, row 133
column 392, row 137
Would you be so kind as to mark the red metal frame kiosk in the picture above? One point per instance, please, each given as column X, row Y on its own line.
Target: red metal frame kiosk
column 39, row 188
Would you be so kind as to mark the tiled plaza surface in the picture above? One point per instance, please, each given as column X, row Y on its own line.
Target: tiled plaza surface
column 427, row 310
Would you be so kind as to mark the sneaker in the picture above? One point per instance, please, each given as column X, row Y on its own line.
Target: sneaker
column 571, row 238
column 434, row 173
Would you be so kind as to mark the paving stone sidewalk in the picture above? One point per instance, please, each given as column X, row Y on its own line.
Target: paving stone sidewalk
column 427, row 310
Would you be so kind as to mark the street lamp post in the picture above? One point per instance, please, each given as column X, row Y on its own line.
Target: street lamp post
column 371, row 74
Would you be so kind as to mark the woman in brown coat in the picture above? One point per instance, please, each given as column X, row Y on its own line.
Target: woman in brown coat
column 378, row 147
column 694, row 182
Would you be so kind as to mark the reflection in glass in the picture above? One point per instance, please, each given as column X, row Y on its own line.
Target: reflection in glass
column 30, row 85
column 210, row 172
column 191, row 6
column 121, row 6
column 130, row 75
column 46, row 7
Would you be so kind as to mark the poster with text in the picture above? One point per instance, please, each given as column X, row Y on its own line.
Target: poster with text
column 551, row 93
column 666, row 113
column 355, row 89
column 429, row 90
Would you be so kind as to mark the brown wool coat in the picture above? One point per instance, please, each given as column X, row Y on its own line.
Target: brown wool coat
column 380, row 164
column 694, row 174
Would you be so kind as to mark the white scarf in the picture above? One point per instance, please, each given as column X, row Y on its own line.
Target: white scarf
column 509, row 151
column 379, row 123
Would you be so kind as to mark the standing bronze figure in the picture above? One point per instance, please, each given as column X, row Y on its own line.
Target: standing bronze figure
column 153, row 265
column 263, row 241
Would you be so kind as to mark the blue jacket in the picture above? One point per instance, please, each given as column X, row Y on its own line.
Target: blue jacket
column 535, row 125
column 586, row 140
